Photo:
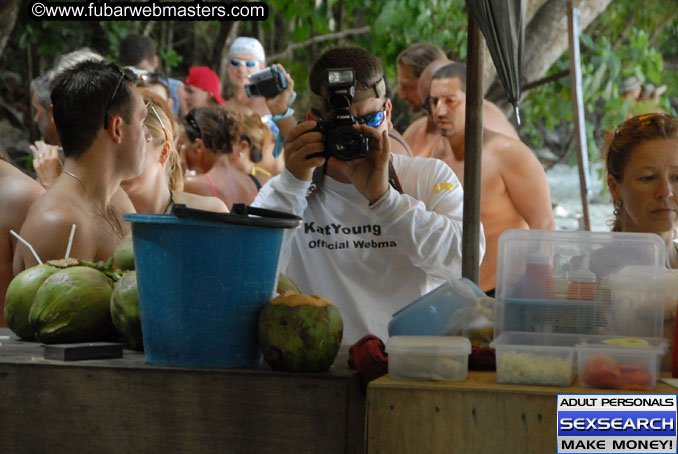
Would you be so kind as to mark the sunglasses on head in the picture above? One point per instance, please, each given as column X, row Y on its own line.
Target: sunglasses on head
column 190, row 120
column 237, row 63
column 123, row 73
column 162, row 125
column 641, row 122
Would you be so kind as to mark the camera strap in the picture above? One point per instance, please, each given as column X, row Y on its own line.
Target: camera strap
column 319, row 176
column 321, row 104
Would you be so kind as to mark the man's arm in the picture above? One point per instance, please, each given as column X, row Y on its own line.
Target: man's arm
column 525, row 182
column 427, row 219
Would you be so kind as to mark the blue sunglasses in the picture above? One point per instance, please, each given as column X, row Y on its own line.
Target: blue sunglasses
column 237, row 63
column 374, row 120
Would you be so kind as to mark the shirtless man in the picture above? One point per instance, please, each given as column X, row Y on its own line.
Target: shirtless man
column 411, row 63
column 18, row 191
column 100, row 118
column 423, row 136
column 515, row 193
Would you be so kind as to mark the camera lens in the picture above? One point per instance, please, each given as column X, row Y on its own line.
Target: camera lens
column 346, row 144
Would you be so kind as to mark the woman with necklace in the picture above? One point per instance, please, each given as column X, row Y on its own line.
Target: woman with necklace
column 161, row 183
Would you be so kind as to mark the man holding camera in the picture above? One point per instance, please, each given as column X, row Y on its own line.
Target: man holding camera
column 379, row 230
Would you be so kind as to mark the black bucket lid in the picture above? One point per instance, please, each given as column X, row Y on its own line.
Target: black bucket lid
column 241, row 214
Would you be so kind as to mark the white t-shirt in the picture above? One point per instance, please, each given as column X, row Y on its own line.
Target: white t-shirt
column 370, row 261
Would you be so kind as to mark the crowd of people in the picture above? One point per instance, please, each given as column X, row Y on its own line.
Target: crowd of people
column 382, row 225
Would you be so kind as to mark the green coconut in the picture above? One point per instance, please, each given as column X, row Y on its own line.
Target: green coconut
column 72, row 305
column 285, row 284
column 125, row 311
column 123, row 256
column 19, row 298
column 300, row 333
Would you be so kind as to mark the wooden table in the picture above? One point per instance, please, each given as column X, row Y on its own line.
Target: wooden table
column 127, row 406
column 476, row 416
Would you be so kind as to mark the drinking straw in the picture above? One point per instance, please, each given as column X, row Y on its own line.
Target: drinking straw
column 18, row 237
column 70, row 241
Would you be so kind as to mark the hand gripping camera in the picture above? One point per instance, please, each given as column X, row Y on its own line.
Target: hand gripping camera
column 341, row 140
column 267, row 83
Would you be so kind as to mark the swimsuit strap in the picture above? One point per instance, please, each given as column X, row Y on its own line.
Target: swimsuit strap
column 214, row 189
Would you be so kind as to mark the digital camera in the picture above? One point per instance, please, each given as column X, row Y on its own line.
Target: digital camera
column 341, row 140
column 267, row 83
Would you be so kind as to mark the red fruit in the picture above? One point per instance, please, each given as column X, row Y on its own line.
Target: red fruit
column 635, row 376
column 601, row 371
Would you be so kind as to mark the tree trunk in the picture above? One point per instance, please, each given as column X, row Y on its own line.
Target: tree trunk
column 546, row 40
column 9, row 10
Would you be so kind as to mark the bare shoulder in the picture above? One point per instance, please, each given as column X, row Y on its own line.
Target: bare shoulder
column 121, row 202
column 47, row 228
column 200, row 202
column 496, row 120
column 503, row 147
column 18, row 192
column 411, row 131
column 52, row 212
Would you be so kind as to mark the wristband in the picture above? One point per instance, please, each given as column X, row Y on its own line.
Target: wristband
column 279, row 117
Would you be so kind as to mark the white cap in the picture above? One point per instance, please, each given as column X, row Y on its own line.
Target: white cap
column 244, row 45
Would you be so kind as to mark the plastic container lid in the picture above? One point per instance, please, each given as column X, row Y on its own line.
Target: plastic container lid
column 441, row 345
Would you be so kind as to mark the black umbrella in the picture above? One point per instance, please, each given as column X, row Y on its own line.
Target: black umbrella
column 501, row 22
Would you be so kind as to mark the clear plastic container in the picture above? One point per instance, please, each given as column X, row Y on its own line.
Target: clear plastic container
column 602, row 284
column 429, row 315
column 433, row 358
column 535, row 358
column 619, row 366
column 582, row 262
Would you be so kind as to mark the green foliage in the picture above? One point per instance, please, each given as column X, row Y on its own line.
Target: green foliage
column 442, row 22
column 548, row 109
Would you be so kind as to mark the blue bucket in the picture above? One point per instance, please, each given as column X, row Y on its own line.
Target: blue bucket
column 202, row 279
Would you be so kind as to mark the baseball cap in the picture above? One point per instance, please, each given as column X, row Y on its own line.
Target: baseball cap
column 245, row 45
column 205, row 78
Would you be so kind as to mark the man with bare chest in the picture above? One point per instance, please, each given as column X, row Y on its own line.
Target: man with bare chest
column 423, row 136
column 100, row 120
column 515, row 192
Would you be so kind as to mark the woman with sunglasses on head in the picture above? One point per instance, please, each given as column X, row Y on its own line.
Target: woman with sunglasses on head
column 161, row 183
column 245, row 56
column 642, row 174
column 212, row 140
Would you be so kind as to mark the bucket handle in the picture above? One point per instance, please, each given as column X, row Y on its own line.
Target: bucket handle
column 240, row 214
